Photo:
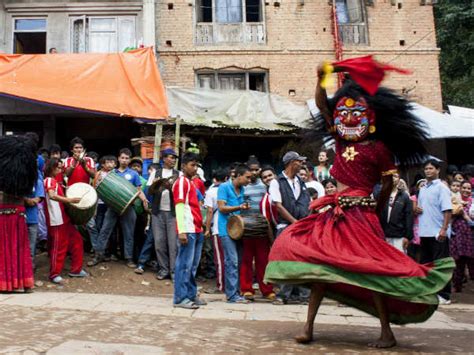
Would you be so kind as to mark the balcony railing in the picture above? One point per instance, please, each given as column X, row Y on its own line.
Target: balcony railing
column 354, row 33
column 228, row 33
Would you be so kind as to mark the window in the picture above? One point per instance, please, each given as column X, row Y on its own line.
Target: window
column 351, row 21
column 227, row 80
column 229, row 21
column 29, row 36
column 349, row 11
column 229, row 11
column 204, row 11
column 102, row 34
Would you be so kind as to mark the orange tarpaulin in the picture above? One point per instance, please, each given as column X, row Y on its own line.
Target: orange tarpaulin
column 125, row 84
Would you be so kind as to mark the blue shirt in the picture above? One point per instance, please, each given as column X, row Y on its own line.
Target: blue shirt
column 130, row 175
column 226, row 192
column 434, row 199
column 253, row 194
column 32, row 212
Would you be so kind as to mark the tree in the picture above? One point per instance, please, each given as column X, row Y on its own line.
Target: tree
column 455, row 32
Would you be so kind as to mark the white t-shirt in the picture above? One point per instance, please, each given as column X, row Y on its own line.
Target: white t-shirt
column 211, row 201
column 391, row 201
column 317, row 186
column 165, row 203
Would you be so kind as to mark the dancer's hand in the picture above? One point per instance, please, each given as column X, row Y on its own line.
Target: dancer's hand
column 320, row 71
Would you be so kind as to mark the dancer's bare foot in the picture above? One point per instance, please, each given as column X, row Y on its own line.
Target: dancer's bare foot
column 383, row 342
column 304, row 338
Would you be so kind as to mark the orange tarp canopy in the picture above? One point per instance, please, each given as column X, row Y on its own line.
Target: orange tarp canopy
column 125, row 84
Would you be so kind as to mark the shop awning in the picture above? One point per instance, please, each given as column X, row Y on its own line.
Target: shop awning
column 122, row 84
column 238, row 109
column 443, row 125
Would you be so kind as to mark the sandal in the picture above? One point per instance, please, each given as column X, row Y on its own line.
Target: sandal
column 199, row 302
column 186, row 304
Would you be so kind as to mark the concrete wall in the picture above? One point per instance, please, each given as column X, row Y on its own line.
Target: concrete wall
column 298, row 38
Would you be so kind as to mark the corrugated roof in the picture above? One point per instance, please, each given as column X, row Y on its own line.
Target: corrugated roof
column 236, row 109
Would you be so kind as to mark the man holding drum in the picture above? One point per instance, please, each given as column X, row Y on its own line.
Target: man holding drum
column 63, row 236
column 127, row 218
column 230, row 200
column 80, row 168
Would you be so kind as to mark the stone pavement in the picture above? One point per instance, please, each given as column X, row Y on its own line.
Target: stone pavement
column 329, row 313
column 77, row 323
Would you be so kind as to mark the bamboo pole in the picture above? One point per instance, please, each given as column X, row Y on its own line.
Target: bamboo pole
column 157, row 146
column 177, row 134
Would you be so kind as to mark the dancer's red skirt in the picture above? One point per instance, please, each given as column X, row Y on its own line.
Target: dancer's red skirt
column 345, row 248
column 16, row 269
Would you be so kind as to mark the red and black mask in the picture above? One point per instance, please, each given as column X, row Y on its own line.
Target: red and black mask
column 353, row 119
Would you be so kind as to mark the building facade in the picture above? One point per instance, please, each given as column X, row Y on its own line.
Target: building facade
column 46, row 26
column 275, row 46
column 31, row 27
column 265, row 45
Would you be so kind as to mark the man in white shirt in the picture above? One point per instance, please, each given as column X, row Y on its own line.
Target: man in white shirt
column 212, row 226
column 163, row 218
column 288, row 192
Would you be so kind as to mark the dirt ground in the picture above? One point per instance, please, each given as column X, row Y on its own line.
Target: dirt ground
column 115, row 277
column 112, row 277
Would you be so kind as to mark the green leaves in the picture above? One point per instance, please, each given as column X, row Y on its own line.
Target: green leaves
column 455, row 33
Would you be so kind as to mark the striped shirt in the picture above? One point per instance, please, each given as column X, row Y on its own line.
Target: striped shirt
column 56, row 215
column 185, row 192
column 269, row 210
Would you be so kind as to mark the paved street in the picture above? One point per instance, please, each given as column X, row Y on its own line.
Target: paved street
column 78, row 323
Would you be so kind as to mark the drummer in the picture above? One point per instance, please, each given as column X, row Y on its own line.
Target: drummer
column 255, row 248
column 63, row 236
column 127, row 219
column 230, row 200
column 80, row 168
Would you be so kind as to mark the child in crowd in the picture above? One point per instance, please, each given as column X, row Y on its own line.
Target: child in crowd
column 63, row 237
column 456, row 199
column 190, row 237
column 330, row 186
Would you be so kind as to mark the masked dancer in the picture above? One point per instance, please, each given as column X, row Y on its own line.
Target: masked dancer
column 341, row 253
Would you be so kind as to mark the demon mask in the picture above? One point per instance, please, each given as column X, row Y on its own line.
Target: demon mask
column 353, row 119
